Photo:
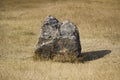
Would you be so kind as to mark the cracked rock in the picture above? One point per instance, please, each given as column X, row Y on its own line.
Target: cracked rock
column 58, row 38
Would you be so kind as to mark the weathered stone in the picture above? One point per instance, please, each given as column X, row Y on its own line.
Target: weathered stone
column 57, row 37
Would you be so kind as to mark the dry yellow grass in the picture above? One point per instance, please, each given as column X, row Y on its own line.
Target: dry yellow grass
column 99, row 25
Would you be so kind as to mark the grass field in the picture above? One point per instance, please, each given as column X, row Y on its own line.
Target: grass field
column 98, row 22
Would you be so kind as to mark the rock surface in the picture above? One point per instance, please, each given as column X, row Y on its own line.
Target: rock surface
column 56, row 38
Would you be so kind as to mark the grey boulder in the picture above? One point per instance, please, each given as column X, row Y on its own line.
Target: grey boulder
column 58, row 38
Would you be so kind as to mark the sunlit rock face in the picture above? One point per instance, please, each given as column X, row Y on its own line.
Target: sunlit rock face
column 56, row 38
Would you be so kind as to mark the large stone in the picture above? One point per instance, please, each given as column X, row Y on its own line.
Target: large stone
column 56, row 38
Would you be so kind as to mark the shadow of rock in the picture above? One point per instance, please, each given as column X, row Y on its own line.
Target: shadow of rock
column 93, row 55
column 85, row 56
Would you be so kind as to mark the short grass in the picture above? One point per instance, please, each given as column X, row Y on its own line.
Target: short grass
column 98, row 22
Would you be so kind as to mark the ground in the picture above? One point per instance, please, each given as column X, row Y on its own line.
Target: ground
column 98, row 22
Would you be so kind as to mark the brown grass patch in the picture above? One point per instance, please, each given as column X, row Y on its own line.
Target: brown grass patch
column 97, row 20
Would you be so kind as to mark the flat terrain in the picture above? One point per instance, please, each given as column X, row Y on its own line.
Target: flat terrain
column 98, row 22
